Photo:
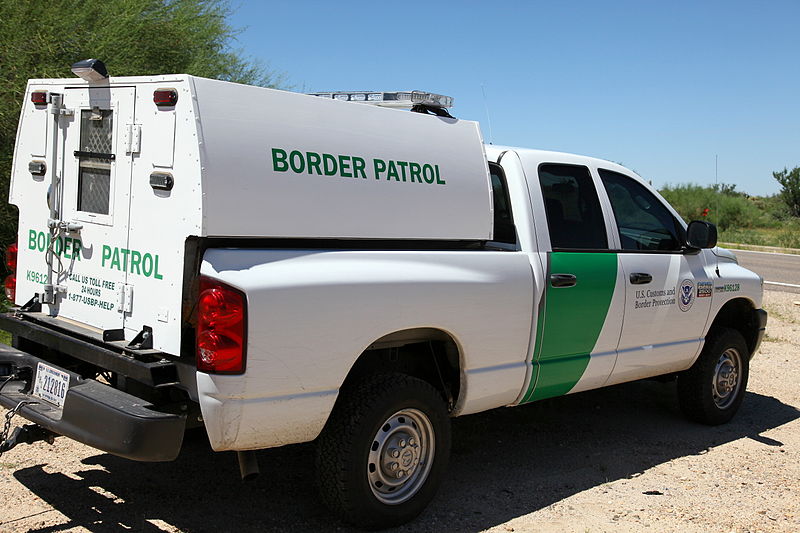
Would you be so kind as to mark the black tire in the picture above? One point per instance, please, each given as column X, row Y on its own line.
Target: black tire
column 355, row 450
column 712, row 390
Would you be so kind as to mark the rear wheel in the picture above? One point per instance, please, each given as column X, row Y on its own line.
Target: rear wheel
column 713, row 389
column 383, row 453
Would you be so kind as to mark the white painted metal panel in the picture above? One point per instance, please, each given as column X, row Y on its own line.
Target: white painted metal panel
column 659, row 335
column 161, row 220
column 138, row 248
column 247, row 192
column 159, row 145
column 311, row 313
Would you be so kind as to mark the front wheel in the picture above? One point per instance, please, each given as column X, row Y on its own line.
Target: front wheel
column 712, row 390
column 383, row 453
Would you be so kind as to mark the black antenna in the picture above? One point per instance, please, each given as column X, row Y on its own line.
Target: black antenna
column 716, row 185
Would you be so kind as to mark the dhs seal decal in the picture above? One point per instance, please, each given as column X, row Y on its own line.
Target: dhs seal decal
column 686, row 294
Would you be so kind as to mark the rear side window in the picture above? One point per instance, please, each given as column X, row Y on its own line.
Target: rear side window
column 574, row 217
column 504, row 230
column 644, row 222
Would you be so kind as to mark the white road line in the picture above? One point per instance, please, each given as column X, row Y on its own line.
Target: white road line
column 737, row 250
column 783, row 284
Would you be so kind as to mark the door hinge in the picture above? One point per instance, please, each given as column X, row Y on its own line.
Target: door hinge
column 124, row 298
column 133, row 138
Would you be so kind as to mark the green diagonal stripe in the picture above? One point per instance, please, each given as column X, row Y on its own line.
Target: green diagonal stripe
column 573, row 319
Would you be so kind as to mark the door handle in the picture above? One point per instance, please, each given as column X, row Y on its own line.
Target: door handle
column 563, row 280
column 640, row 278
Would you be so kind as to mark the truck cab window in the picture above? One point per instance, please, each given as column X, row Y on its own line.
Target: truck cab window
column 644, row 223
column 574, row 218
column 504, row 230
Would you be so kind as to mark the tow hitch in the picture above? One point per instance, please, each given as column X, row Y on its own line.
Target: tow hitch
column 27, row 434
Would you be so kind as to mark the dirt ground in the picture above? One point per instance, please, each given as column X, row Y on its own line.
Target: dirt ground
column 617, row 459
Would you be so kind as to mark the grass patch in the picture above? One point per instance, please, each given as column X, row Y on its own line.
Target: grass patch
column 784, row 237
column 5, row 337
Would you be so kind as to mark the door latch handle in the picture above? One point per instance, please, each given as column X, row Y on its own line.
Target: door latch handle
column 563, row 280
column 640, row 278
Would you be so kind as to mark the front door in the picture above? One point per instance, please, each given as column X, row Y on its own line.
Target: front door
column 668, row 291
column 93, row 202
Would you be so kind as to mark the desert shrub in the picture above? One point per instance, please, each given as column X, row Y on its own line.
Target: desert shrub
column 789, row 235
column 725, row 209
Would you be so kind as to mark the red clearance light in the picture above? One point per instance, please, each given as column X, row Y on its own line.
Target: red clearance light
column 11, row 257
column 221, row 328
column 10, row 286
column 39, row 97
column 165, row 97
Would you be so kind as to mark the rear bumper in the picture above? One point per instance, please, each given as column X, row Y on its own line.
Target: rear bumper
column 93, row 413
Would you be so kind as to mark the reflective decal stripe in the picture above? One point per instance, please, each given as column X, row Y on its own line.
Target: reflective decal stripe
column 573, row 317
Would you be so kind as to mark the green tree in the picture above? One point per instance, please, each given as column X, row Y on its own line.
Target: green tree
column 728, row 189
column 132, row 37
column 790, row 188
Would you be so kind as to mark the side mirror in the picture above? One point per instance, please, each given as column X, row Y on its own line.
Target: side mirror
column 701, row 234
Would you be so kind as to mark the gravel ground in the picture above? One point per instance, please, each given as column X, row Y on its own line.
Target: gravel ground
column 617, row 459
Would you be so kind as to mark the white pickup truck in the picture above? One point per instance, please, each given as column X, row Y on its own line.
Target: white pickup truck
column 282, row 268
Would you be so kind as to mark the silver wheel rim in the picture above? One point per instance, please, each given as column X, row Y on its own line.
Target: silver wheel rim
column 727, row 378
column 400, row 457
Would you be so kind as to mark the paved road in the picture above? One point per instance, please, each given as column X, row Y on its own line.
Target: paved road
column 778, row 268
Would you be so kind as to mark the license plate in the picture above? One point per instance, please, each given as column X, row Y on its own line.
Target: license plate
column 51, row 384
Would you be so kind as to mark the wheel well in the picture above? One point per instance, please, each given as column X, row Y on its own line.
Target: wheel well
column 425, row 353
column 740, row 315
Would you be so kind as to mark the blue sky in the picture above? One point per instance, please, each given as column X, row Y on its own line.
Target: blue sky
column 661, row 87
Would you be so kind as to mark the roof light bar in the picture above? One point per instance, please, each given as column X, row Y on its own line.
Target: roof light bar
column 402, row 99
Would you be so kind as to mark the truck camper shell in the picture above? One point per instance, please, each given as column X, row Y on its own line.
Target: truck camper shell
column 217, row 141
column 144, row 165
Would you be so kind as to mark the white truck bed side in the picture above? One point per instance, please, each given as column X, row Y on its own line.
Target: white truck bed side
column 313, row 312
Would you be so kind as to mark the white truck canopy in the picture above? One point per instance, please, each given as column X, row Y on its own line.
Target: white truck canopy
column 142, row 164
column 289, row 165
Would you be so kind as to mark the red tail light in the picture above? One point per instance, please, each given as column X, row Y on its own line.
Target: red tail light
column 165, row 97
column 10, row 286
column 39, row 97
column 221, row 328
column 11, row 257
column 10, row 283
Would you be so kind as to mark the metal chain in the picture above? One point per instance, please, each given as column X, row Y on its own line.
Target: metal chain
column 9, row 415
column 7, row 425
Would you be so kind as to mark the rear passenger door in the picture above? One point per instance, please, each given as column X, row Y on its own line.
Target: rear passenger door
column 668, row 291
column 580, row 317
